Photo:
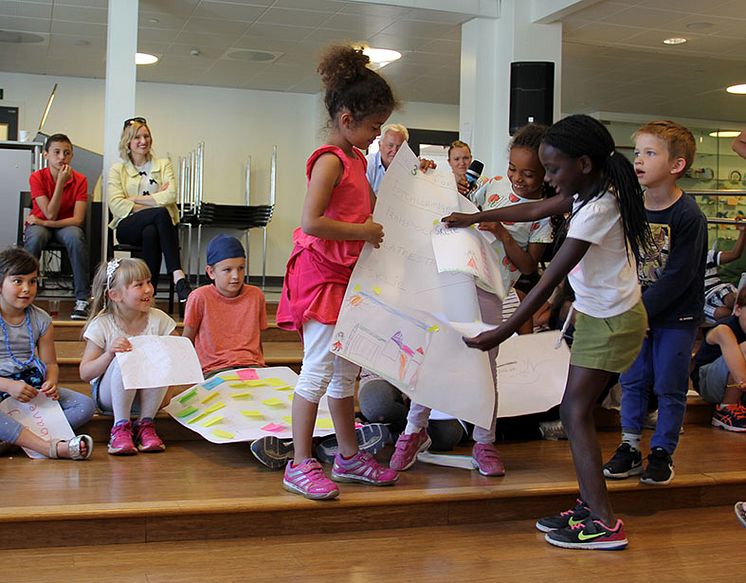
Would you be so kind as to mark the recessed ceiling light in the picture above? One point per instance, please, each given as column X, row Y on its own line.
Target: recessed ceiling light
column 674, row 40
column 724, row 134
column 381, row 57
column 699, row 25
column 153, row 20
column 145, row 59
column 739, row 89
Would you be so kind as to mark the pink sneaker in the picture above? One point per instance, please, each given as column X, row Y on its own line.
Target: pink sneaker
column 146, row 438
column 406, row 449
column 362, row 467
column 120, row 442
column 308, row 480
column 487, row 460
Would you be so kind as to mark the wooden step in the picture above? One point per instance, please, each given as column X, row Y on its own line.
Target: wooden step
column 198, row 490
column 71, row 330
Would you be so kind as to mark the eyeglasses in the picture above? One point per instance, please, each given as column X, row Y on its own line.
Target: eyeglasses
column 132, row 120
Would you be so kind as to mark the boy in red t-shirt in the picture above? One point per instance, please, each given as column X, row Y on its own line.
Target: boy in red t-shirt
column 225, row 320
column 60, row 199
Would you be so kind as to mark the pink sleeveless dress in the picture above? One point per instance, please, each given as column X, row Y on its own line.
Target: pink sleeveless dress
column 319, row 270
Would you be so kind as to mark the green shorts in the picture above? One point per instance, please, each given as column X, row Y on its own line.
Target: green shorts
column 609, row 344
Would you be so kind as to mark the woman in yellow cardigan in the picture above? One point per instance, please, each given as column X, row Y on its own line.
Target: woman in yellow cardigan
column 142, row 200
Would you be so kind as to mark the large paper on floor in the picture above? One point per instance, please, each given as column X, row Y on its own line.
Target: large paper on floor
column 396, row 296
column 243, row 405
column 531, row 373
column 159, row 361
column 41, row 415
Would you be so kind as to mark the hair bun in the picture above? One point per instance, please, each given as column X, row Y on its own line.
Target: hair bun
column 342, row 65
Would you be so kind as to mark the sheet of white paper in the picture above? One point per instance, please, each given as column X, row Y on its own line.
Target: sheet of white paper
column 467, row 251
column 41, row 415
column 402, row 276
column 227, row 409
column 159, row 361
column 531, row 373
column 449, row 460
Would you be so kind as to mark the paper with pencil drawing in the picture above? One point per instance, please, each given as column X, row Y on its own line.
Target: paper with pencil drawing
column 531, row 373
column 397, row 312
column 159, row 361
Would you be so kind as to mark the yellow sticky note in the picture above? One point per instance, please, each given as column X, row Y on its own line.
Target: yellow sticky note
column 377, row 290
column 285, row 388
column 356, row 288
column 256, row 383
column 213, row 421
column 208, row 411
column 290, row 397
column 252, row 414
column 275, row 382
column 433, row 328
column 241, row 396
column 237, row 385
column 223, row 434
column 231, row 376
column 324, row 423
column 273, row 402
column 210, row 397
column 288, row 419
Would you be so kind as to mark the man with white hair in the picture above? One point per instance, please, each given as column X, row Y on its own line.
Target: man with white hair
column 393, row 135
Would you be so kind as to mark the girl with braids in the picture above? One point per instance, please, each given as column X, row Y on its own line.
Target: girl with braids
column 607, row 233
column 336, row 222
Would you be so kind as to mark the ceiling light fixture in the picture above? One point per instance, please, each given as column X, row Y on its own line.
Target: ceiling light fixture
column 674, row 40
column 724, row 134
column 145, row 59
column 703, row 25
column 739, row 89
column 381, row 57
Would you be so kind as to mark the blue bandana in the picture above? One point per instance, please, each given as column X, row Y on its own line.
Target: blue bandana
column 224, row 247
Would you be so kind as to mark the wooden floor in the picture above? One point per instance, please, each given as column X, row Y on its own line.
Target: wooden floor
column 701, row 544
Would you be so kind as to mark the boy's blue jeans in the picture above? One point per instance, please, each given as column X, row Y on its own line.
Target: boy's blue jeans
column 663, row 365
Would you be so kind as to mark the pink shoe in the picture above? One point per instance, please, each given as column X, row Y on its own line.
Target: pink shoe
column 487, row 460
column 406, row 449
column 362, row 467
column 120, row 442
column 146, row 438
column 308, row 479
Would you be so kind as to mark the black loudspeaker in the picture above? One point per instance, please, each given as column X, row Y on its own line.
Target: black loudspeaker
column 531, row 93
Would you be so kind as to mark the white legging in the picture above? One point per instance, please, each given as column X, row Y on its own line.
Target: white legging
column 112, row 396
column 322, row 371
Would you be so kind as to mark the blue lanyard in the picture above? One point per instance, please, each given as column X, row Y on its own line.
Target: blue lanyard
column 32, row 348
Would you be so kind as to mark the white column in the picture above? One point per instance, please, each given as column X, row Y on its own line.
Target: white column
column 488, row 46
column 119, row 96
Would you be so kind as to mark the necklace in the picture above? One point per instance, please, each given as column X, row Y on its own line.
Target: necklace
column 32, row 349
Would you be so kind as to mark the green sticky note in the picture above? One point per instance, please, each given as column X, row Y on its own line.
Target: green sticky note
column 186, row 396
column 186, row 412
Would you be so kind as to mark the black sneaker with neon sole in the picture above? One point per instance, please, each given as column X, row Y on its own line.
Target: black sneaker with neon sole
column 625, row 462
column 730, row 418
column 590, row 534
column 575, row 515
column 659, row 470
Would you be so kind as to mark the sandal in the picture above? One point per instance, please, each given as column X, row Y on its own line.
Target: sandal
column 73, row 447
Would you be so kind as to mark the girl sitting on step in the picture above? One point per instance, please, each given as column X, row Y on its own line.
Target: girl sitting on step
column 122, row 308
column 28, row 362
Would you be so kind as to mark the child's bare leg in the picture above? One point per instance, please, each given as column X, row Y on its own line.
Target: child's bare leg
column 583, row 388
column 304, row 420
column 732, row 395
column 343, row 415
column 30, row 440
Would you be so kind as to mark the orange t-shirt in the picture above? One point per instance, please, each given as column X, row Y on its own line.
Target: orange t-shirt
column 228, row 330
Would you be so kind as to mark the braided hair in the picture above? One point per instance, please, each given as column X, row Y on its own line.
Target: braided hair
column 352, row 86
column 581, row 135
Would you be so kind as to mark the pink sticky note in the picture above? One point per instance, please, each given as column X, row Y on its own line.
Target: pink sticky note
column 273, row 427
column 247, row 374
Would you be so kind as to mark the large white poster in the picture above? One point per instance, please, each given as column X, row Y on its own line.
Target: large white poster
column 396, row 313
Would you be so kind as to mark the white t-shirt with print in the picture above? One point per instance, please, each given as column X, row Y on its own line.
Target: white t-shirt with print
column 500, row 194
column 605, row 279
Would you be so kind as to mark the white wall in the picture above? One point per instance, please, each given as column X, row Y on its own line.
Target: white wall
column 233, row 123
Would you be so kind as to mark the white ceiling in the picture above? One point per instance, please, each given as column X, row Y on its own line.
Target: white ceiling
column 613, row 57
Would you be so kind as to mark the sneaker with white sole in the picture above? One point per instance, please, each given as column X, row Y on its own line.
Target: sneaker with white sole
column 308, row 479
column 407, row 447
column 80, row 310
column 371, row 438
column 363, row 468
column 272, row 451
